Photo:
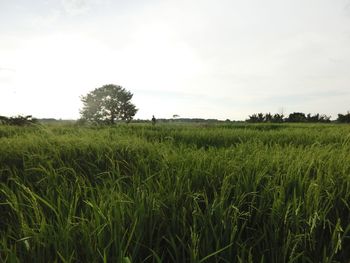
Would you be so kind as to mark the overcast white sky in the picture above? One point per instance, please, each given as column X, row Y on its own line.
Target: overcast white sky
column 195, row 58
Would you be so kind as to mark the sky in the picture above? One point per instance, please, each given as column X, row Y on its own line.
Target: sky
column 223, row 59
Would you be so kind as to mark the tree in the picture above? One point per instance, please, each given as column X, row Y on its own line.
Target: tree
column 253, row 118
column 18, row 120
column 296, row 117
column 277, row 117
column 268, row 117
column 261, row 117
column 345, row 118
column 318, row 118
column 108, row 104
column 325, row 118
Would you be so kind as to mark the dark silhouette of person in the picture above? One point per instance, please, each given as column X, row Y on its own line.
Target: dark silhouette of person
column 153, row 120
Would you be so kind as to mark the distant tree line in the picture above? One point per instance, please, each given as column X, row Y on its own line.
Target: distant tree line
column 296, row 117
column 18, row 120
column 268, row 117
column 195, row 120
column 345, row 118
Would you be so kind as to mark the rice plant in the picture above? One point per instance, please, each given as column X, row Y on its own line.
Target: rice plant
column 175, row 193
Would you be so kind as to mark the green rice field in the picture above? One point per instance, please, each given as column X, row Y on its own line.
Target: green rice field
column 175, row 193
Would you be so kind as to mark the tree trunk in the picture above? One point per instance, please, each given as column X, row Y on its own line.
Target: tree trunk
column 112, row 118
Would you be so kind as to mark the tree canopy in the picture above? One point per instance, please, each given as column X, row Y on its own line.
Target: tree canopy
column 345, row 118
column 293, row 117
column 18, row 120
column 108, row 104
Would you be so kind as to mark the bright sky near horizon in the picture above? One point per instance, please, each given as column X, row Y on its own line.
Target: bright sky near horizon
column 196, row 58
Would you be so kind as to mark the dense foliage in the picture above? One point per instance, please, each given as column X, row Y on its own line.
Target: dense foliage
column 293, row 117
column 108, row 104
column 175, row 193
column 345, row 118
column 18, row 120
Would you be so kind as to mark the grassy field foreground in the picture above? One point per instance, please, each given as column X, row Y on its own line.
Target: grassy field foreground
column 175, row 193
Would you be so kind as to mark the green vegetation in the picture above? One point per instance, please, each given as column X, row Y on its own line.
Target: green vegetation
column 296, row 117
column 18, row 120
column 345, row 118
column 293, row 117
column 175, row 193
column 108, row 104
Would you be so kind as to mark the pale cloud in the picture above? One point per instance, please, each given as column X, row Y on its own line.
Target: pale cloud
column 6, row 69
column 7, row 76
column 45, row 21
column 76, row 7
column 347, row 6
column 192, row 58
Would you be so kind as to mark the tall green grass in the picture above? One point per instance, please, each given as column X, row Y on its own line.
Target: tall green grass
column 175, row 193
